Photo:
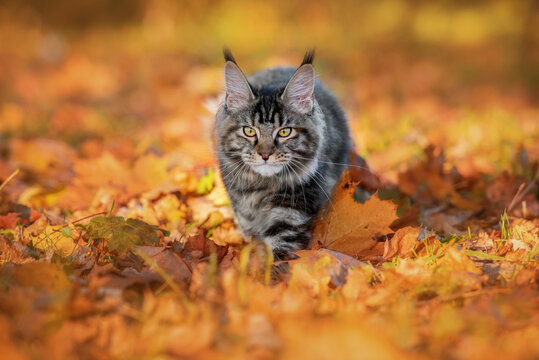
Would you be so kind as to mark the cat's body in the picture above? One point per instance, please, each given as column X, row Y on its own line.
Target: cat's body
column 282, row 145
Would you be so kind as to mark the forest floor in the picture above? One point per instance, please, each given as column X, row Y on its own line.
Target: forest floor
column 117, row 239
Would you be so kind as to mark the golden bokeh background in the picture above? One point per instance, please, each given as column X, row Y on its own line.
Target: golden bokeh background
column 460, row 74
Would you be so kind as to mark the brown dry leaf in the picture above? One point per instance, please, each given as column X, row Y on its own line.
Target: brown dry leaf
column 438, row 186
column 444, row 222
column 503, row 189
column 14, row 252
column 402, row 243
column 360, row 172
column 427, row 179
column 199, row 246
column 350, row 227
column 172, row 264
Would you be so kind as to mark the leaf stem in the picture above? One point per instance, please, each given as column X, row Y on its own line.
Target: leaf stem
column 4, row 183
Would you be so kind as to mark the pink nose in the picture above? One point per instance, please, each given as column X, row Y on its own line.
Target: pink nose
column 265, row 155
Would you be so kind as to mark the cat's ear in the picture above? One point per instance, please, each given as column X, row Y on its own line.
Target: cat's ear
column 238, row 91
column 299, row 92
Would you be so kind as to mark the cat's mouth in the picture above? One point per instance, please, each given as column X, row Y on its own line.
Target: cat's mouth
column 267, row 169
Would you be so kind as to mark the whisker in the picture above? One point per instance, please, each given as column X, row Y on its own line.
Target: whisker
column 301, row 184
column 331, row 162
column 236, row 165
column 313, row 176
column 211, row 151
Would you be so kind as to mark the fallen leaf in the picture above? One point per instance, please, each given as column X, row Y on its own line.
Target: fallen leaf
column 501, row 192
column 57, row 238
column 349, row 227
column 169, row 262
column 458, row 260
column 106, row 170
column 226, row 233
column 8, row 221
column 218, row 194
column 402, row 243
column 122, row 234
column 444, row 222
column 149, row 172
column 205, row 183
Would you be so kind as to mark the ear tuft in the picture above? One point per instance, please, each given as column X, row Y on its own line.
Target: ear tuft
column 308, row 58
column 299, row 92
column 228, row 55
column 238, row 91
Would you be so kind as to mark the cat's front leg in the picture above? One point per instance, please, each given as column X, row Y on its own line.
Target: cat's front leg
column 286, row 230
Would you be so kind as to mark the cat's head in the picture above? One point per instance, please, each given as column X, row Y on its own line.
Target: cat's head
column 271, row 130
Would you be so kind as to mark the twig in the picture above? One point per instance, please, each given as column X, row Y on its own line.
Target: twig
column 13, row 174
column 521, row 193
column 89, row 216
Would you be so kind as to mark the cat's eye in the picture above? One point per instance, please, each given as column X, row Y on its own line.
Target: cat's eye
column 284, row 132
column 249, row 131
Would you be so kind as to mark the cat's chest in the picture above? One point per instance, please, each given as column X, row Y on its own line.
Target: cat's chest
column 254, row 200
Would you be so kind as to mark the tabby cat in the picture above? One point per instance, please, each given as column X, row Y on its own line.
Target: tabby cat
column 282, row 143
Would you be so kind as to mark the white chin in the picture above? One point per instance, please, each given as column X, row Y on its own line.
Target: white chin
column 266, row 170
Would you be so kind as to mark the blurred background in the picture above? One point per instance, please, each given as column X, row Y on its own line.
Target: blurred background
column 132, row 76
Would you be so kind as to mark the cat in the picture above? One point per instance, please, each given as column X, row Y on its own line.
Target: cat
column 282, row 144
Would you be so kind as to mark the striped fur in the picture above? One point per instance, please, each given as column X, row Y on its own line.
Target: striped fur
column 276, row 201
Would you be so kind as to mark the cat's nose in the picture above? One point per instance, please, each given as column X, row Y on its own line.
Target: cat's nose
column 265, row 155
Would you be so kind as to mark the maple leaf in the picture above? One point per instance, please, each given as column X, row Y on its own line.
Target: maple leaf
column 122, row 234
column 349, row 227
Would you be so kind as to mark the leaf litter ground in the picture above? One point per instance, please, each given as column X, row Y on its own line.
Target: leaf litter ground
column 117, row 239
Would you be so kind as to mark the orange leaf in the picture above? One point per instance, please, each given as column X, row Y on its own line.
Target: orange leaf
column 402, row 243
column 8, row 221
column 350, row 227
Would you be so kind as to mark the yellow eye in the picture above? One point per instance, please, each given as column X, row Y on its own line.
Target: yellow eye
column 284, row 132
column 249, row 131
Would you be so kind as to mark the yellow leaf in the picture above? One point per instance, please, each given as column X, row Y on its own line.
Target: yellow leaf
column 218, row 195
column 169, row 208
column 226, row 233
column 55, row 237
